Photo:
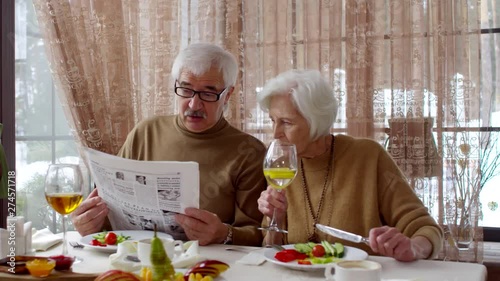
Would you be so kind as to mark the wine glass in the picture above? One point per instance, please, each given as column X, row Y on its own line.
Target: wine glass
column 64, row 192
column 280, row 168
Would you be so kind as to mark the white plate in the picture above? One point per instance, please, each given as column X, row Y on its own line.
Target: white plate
column 350, row 253
column 135, row 235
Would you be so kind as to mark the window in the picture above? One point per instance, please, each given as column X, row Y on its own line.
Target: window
column 42, row 135
column 490, row 70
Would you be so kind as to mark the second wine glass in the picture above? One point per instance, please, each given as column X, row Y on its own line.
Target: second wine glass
column 280, row 168
column 64, row 192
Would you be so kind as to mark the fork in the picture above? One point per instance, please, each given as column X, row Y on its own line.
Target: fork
column 238, row 249
column 276, row 246
column 76, row 245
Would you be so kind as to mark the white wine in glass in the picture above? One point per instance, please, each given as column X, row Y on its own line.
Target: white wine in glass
column 279, row 178
column 280, row 168
column 64, row 203
column 64, row 192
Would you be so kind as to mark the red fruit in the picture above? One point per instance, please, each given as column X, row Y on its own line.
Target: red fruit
column 289, row 255
column 96, row 242
column 63, row 262
column 318, row 251
column 110, row 238
column 218, row 265
column 117, row 275
column 284, row 257
column 207, row 267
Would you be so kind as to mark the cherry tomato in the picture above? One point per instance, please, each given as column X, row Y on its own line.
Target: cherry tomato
column 110, row 238
column 318, row 251
column 305, row 262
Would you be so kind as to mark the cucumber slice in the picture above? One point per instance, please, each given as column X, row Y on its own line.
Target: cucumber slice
column 321, row 260
column 339, row 248
column 329, row 249
column 303, row 248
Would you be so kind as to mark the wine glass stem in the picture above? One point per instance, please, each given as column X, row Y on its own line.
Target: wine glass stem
column 274, row 224
column 64, row 246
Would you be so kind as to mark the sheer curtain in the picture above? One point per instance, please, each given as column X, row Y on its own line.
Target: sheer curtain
column 111, row 63
column 406, row 73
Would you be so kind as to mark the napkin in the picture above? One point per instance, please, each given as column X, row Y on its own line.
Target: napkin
column 119, row 259
column 190, row 257
column 44, row 239
column 252, row 258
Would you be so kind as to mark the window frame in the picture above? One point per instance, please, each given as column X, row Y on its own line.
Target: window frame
column 7, row 98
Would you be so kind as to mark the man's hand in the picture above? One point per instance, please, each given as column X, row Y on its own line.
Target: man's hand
column 203, row 226
column 271, row 199
column 89, row 217
column 388, row 241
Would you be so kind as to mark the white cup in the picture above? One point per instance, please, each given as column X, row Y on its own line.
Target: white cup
column 174, row 248
column 361, row 270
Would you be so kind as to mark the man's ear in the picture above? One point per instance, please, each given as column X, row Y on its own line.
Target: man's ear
column 228, row 95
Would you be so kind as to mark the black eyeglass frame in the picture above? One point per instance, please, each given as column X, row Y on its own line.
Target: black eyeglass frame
column 193, row 93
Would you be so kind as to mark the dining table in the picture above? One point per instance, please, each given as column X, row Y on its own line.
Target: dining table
column 95, row 262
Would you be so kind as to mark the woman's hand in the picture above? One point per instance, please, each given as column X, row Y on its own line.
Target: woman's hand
column 271, row 199
column 388, row 241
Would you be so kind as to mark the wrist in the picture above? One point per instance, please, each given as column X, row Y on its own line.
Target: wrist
column 229, row 236
column 421, row 247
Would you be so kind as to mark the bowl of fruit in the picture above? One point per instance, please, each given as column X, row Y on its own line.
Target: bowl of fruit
column 40, row 267
column 63, row 262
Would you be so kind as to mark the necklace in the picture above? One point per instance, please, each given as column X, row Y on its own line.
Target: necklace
column 311, row 237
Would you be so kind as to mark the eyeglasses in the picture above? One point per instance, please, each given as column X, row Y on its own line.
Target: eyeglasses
column 204, row 95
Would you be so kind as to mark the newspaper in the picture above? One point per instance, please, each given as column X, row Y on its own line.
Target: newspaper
column 141, row 193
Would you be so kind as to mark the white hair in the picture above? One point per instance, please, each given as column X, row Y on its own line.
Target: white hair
column 198, row 58
column 311, row 94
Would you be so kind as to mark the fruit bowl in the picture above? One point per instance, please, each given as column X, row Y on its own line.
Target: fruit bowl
column 19, row 264
column 40, row 267
column 63, row 262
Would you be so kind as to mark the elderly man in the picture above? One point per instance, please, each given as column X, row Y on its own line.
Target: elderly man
column 230, row 161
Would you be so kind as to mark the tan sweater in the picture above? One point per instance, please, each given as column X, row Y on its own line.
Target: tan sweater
column 368, row 191
column 230, row 163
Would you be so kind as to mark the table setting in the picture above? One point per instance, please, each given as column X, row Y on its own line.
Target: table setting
column 245, row 263
column 139, row 254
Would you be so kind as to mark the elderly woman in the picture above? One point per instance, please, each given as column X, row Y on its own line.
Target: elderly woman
column 344, row 182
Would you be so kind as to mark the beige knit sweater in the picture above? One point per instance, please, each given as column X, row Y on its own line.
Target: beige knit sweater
column 230, row 163
column 368, row 190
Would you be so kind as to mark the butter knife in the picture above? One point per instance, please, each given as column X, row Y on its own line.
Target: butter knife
column 342, row 234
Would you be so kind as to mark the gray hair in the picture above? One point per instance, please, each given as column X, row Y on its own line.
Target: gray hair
column 198, row 58
column 311, row 94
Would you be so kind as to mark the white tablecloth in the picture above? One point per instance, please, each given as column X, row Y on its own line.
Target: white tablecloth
column 423, row 270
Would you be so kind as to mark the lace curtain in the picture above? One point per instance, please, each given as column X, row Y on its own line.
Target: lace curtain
column 406, row 72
